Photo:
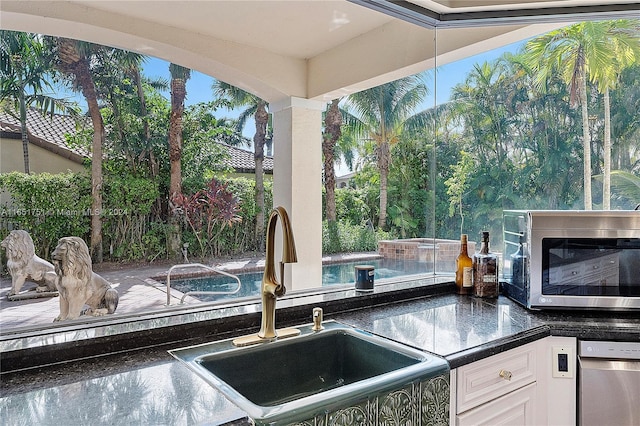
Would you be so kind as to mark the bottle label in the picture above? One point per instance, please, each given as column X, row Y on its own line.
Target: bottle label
column 467, row 277
column 490, row 278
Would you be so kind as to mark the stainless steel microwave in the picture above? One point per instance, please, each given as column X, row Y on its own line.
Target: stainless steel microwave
column 572, row 259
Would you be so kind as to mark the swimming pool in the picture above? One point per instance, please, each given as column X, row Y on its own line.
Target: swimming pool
column 332, row 274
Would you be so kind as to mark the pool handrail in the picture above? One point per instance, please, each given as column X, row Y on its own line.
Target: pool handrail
column 199, row 265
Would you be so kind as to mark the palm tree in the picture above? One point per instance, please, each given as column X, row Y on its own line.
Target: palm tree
column 24, row 69
column 75, row 60
column 595, row 50
column 565, row 51
column 380, row 115
column 480, row 102
column 258, row 108
column 622, row 40
column 179, row 77
column 332, row 132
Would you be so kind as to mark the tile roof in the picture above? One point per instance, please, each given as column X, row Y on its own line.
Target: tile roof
column 243, row 161
column 46, row 132
column 49, row 133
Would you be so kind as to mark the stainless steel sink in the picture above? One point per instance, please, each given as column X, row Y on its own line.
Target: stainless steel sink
column 291, row 379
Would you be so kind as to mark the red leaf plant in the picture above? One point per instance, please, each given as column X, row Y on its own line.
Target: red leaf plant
column 208, row 212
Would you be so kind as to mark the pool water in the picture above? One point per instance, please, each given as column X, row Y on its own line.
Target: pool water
column 332, row 274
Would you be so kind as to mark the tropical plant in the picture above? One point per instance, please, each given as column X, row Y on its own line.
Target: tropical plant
column 202, row 154
column 625, row 188
column 126, row 111
column 625, row 121
column 258, row 108
column 208, row 212
column 24, row 82
column 48, row 206
column 457, row 185
column 379, row 116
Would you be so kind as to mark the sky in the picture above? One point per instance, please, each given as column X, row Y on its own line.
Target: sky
column 199, row 85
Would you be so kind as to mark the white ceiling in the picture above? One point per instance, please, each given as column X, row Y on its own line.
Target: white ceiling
column 315, row 49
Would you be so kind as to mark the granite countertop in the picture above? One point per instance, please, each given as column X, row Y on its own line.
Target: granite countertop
column 147, row 386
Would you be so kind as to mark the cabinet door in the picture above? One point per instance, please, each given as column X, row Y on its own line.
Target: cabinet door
column 492, row 377
column 515, row 408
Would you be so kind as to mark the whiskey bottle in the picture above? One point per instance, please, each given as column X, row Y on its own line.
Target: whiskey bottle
column 464, row 269
column 485, row 270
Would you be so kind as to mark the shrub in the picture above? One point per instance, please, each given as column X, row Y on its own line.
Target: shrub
column 127, row 202
column 344, row 237
column 47, row 206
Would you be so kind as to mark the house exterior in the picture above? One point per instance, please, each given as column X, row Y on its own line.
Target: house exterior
column 49, row 150
column 345, row 181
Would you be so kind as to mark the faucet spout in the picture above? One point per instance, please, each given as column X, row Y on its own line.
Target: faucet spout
column 271, row 288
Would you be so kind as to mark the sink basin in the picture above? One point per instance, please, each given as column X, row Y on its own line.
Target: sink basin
column 292, row 379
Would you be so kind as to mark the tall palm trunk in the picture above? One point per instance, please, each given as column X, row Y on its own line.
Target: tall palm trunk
column 72, row 62
column 606, row 181
column 586, row 140
column 24, row 133
column 179, row 76
column 332, row 132
column 259, row 138
column 384, row 158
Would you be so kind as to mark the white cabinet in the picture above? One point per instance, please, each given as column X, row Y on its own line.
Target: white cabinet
column 499, row 389
column 515, row 387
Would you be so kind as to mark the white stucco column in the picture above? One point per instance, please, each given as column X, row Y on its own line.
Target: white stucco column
column 297, row 184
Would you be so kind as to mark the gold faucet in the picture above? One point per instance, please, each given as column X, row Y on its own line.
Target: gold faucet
column 272, row 289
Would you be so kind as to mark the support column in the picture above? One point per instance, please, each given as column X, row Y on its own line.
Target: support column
column 297, row 184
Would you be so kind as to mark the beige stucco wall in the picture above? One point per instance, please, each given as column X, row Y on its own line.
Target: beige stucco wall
column 40, row 160
column 251, row 176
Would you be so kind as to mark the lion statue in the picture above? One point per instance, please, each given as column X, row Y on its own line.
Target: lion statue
column 23, row 263
column 77, row 284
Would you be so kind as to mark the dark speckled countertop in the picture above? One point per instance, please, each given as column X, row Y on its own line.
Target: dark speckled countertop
column 143, row 384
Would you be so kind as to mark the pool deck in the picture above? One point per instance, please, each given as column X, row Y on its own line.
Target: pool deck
column 138, row 291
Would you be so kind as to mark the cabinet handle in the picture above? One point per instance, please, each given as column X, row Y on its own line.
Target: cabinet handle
column 505, row 374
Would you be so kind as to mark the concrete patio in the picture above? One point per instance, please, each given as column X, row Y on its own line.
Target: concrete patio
column 137, row 289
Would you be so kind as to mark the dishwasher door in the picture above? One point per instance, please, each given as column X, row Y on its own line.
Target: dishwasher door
column 609, row 383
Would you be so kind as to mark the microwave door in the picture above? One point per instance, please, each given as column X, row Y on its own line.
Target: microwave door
column 588, row 271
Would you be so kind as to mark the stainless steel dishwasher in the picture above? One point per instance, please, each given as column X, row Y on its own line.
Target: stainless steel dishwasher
column 609, row 383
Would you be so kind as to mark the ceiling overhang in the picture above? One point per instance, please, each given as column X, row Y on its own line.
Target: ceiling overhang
column 311, row 49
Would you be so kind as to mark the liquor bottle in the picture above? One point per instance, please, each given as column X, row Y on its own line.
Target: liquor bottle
column 464, row 269
column 485, row 270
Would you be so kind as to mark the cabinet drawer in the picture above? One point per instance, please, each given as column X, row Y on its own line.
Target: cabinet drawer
column 495, row 376
column 516, row 408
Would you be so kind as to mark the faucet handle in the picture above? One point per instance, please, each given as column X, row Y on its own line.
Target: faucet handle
column 317, row 319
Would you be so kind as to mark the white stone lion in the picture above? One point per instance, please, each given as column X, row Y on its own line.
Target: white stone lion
column 78, row 284
column 23, row 263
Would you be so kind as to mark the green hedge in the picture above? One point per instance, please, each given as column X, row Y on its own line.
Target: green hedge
column 47, row 206
column 345, row 237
